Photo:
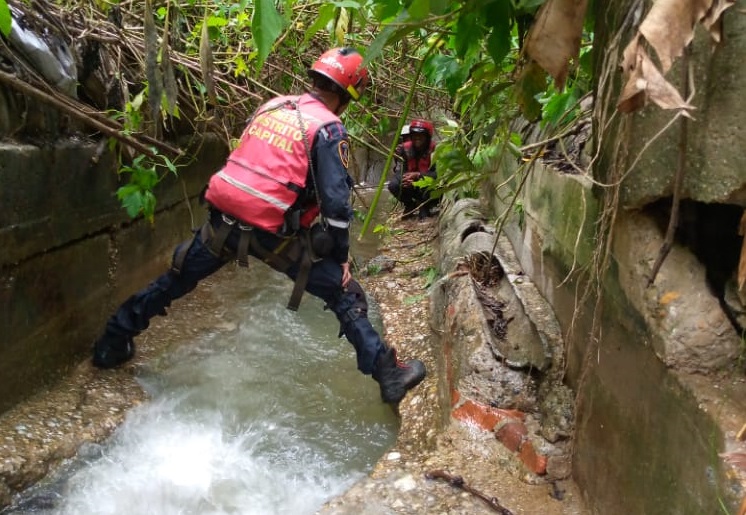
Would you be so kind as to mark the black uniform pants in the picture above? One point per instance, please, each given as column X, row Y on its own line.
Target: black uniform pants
column 324, row 281
column 410, row 196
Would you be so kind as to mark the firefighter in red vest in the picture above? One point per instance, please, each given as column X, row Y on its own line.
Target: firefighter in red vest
column 282, row 197
column 412, row 162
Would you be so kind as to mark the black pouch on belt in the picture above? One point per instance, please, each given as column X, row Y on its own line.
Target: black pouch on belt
column 322, row 242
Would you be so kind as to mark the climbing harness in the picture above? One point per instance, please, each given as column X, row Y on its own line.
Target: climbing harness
column 281, row 258
column 298, row 242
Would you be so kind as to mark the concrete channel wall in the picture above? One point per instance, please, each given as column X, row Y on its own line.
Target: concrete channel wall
column 70, row 253
column 656, row 368
column 644, row 442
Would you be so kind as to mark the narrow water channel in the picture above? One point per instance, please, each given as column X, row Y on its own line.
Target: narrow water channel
column 264, row 414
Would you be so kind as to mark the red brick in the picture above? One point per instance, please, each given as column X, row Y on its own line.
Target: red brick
column 533, row 460
column 512, row 435
column 485, row 417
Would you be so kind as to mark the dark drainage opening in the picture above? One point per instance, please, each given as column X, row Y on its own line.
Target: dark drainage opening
column 710, row 232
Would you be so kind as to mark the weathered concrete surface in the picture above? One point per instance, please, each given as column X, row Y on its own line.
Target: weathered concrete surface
column 450, row 423
column 65, row 237
column 715, row 164
column 632, row 411
column 689, row 330
column 467, row 245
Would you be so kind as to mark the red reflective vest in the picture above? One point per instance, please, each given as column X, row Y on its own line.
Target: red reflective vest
column 412, row 163
column 268, row 170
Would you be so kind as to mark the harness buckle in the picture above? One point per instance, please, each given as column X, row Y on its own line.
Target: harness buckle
column 228, row 219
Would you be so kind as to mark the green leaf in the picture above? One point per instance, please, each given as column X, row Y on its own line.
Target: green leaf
column 527, row 5
column 127, row 190
column 500, row 19
column 390, row 34
column 216, row 21
column 414, row 299
column 5, row 18
column 266, row 26
column 532, row 82
column 430, row 274
column 446, row 70
column 468, row 34
column 347, row 4
column 146, row 178
column 326, row 14
column 148, row 205
column 498, row 45
column 439, row 7
column 424, row 182
column 241, row 68
column 558, row 106
column 169, row 164
column 131, row 201
column 419, row 9
column 386, row 9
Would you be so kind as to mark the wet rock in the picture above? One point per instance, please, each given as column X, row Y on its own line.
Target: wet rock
column 559, row 466
column 556, row 407
column 379, row 264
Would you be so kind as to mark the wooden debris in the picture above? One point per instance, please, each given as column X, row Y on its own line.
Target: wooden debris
column 459, row 482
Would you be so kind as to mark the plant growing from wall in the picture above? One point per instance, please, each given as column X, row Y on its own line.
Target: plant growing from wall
column 143, row 174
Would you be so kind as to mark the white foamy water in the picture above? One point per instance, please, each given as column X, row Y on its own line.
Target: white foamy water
column 264, row 416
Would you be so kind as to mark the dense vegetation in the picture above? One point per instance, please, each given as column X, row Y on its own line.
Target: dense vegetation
column 156, row 68
column 150, row 70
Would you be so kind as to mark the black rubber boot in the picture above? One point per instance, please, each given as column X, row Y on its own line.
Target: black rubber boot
column 410, row 211
column 111, row 351
column 395, row 377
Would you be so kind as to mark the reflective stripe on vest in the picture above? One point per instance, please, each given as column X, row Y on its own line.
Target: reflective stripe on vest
column 264, row 175
column 248, row 189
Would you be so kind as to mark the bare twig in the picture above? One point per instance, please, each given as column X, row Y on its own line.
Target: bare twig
column 27, row 89
column 673, row 221
column 459, row 482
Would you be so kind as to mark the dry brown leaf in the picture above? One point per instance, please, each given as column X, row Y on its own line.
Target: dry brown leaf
column 555, row 37
column 646, row 82
column 633, row 95
column 206, row 63
column 713, row 20
column 629, row 56
column 669, row 27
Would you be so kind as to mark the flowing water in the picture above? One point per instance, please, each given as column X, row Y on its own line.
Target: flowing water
column 265, row 414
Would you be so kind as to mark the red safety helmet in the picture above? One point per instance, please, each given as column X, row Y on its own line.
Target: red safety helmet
column 421, row 126
column 344, row 67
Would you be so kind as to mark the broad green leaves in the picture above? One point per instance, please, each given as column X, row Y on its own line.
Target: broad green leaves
column 325, row 16
column 266, row 26
column 5, row 18
column 460, row 60
column 447, row 71
column 137, row 195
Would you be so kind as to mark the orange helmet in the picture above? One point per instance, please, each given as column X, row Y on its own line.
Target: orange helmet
column 344, row 67
column 416, row 126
